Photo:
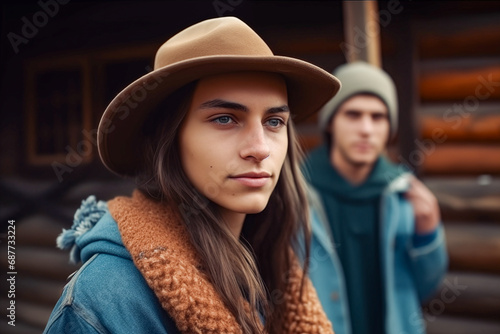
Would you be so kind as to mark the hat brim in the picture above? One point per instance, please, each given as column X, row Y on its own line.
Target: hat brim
column 119, row 133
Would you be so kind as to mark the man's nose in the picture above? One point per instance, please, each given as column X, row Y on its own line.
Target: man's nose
column 366, row 124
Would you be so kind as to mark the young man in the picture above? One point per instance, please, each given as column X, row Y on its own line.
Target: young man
column 378, row 246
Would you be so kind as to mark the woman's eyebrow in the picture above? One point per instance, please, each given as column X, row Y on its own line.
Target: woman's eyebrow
column 219, row 103
column 283, row 108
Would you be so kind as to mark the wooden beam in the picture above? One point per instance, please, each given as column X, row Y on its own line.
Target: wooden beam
column 40, row 230
column 469, row 210
column 38, row 290
column 362, row 32
column 464, row 86
column 21, row 327
column 466, row 295
column 484, row 128
column 40, row 262
column 443, row 324
column 470, row 200
column 469, row 40
column 473, row 248
column 456, row 159
column 30, row 314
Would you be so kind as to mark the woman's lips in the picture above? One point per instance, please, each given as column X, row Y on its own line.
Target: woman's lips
column 254, row 180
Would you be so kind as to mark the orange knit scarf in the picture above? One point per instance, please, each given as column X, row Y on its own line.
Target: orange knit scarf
column 162, row 251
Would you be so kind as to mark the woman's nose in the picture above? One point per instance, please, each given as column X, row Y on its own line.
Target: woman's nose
column 255, row 144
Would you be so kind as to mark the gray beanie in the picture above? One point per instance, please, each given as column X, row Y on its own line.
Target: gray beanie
column 357, row 78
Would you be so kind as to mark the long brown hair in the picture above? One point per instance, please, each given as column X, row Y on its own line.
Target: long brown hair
column 254, row 268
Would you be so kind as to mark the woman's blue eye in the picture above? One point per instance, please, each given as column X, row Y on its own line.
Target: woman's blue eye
column 223, row 120
column 274, row 122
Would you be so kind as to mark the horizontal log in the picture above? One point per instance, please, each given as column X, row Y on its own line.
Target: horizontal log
column 473, row 248
column 307, row 41
column 70, row 200
column 38, row 230
column 460, row 325
column 471, row 41
column 20, row 328
column 317, row 45
column 467, row 295
column 41, row 262
column 469, row 187
column 473, row 199
column 482, row 209
column 454, row 159
column 476, row 85
column 103, row 191
column 31, row 314
column 38, row 290
column 466, row 129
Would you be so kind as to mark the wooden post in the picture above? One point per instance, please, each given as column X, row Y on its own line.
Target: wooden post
column 362, row 42
column 361, row 32
column 405, row 65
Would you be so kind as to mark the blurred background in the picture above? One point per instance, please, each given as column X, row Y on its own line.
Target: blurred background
column 63, row 61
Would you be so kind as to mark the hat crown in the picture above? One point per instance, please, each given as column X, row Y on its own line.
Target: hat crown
column 214, row 37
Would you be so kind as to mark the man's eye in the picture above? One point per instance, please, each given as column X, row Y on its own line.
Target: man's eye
column 352, row 114
column 379, row 117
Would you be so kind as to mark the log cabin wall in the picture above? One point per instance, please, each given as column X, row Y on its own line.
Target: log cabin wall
column 444, row 56
column 459, row 134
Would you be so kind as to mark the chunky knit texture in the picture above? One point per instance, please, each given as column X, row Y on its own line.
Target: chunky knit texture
column 161, row 249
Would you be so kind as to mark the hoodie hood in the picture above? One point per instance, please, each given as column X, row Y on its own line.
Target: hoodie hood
column 93, row 231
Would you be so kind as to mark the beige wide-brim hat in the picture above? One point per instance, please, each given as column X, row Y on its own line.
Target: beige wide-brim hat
column 214, row 46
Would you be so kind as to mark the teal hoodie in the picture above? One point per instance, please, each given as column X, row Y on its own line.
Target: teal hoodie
column 410, row 267
column 353, row 216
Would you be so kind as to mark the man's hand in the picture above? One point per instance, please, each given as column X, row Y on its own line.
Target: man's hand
column 425, row 206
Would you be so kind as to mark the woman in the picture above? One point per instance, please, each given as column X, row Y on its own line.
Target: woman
column 208, row 243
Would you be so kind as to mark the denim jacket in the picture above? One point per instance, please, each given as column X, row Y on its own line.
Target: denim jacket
column 412, row 270
column 119, row 301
